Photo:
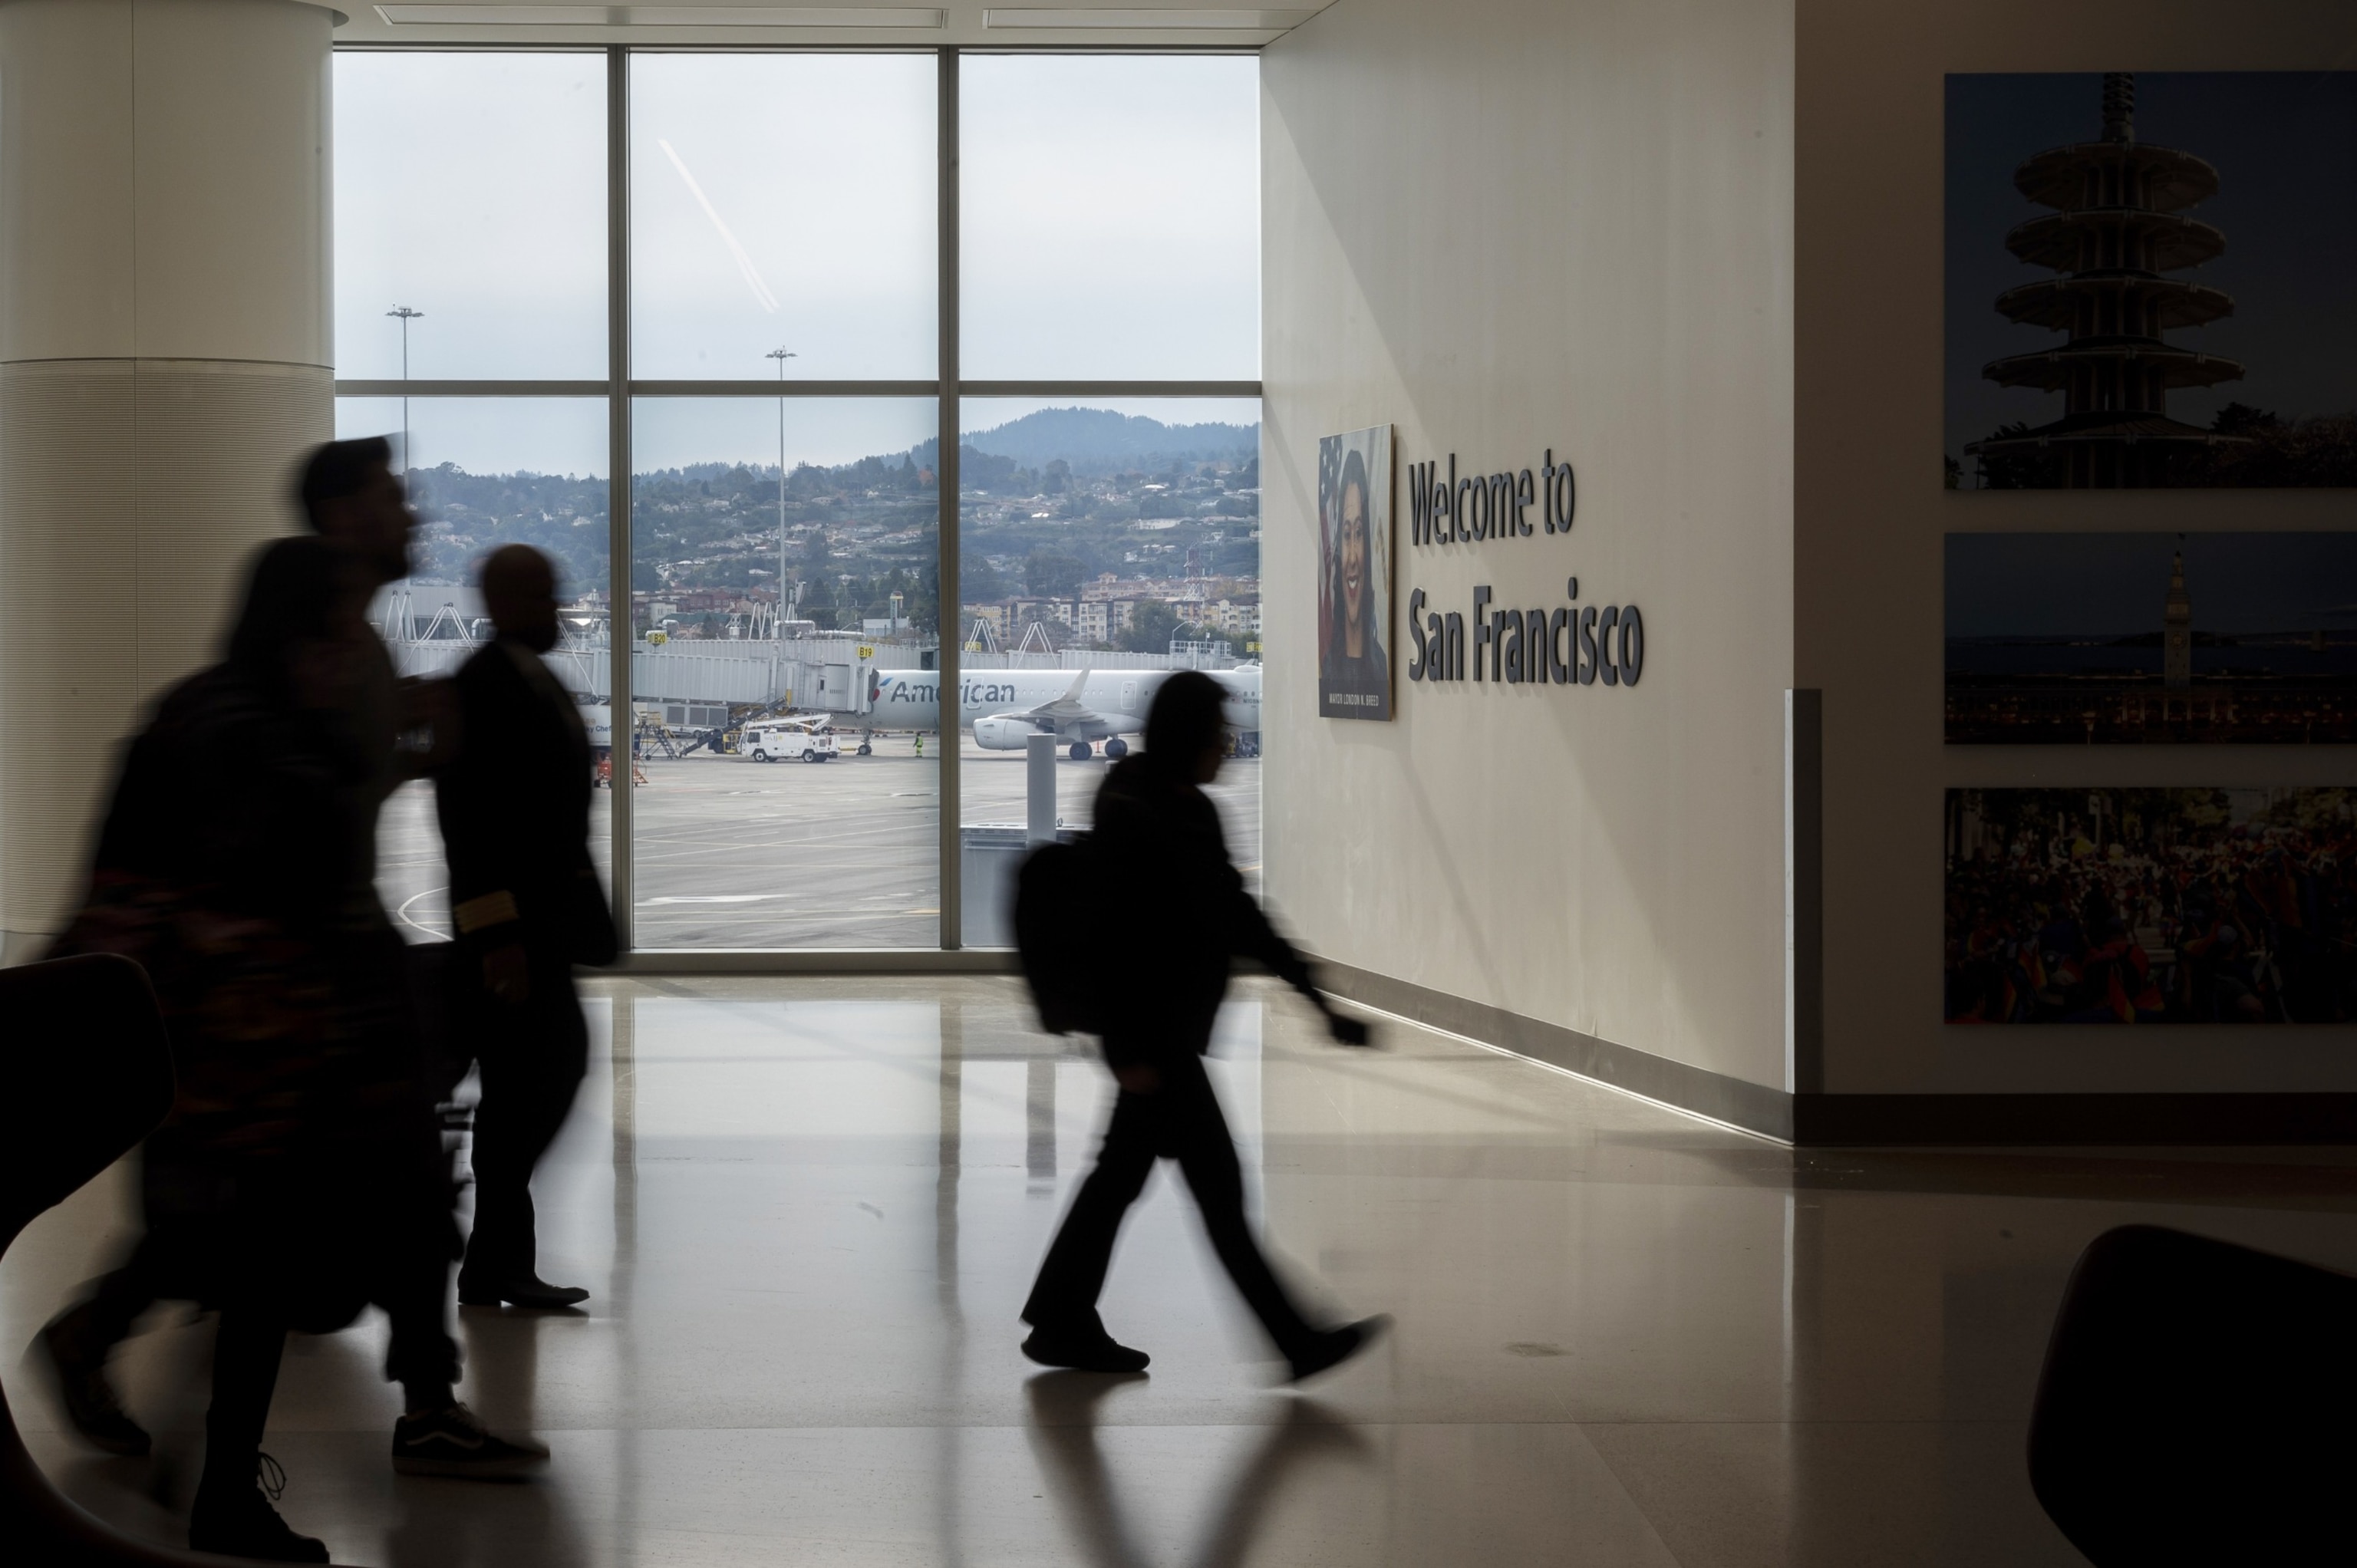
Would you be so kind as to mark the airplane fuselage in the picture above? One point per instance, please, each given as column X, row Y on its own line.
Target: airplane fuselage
column 1115, row 700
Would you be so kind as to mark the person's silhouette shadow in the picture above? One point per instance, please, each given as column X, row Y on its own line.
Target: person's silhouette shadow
column 1064, row 1435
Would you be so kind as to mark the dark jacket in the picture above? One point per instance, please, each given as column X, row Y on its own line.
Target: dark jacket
column 229, row 867
column 515, row 806
column 1180, row 913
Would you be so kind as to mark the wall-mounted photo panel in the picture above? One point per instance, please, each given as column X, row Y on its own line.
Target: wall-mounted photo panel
column 2152, row 906
column 2148, row 280
column 1354, row 575
column 2102, row 638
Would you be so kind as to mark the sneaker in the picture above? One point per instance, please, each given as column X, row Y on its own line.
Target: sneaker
column 1098, row 1352
column 82, row 1388
column 1335, row 1346
column 452, row 1441
column 243, row 1523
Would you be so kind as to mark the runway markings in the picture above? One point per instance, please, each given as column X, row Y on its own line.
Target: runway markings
column 403, row 916
column 825, row 859
column 712, row 898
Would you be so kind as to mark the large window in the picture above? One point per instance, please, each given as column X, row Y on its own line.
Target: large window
column 1112, row 217
column 471, row 188
column 675, row 318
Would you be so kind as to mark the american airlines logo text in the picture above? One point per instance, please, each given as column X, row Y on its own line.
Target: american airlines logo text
column 971, row 693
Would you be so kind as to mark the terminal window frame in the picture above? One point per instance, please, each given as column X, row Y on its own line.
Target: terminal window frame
column 948, row 387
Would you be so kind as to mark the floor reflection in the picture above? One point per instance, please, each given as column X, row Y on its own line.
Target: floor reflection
column 486, row 1528
column 1063, row 1433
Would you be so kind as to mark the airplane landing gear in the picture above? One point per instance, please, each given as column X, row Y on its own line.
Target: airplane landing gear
column 1116, row 748
column 866, row 749
column 1080, row 751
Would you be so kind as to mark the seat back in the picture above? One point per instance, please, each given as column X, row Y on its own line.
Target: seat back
column 85, row 1073
column 89, row 1073
column 2193, row 1404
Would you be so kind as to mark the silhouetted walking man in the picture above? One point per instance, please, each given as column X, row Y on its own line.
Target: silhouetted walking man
column 515, row 822
column 1185, row 914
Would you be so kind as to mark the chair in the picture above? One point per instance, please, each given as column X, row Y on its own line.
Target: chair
column 2197, row 1404
column 89, row 1073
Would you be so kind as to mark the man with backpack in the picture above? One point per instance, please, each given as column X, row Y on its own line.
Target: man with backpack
column 1148, row 975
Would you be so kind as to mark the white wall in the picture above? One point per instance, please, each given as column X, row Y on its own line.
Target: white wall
column 1502, row 226
column 1872, row 514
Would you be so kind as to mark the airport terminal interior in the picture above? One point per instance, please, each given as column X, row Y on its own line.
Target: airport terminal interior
column 1825, row 856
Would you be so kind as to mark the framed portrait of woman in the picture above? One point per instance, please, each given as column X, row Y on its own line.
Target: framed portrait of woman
column 1354, row 575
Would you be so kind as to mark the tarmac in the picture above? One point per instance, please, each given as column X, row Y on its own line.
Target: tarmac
column 733, row 853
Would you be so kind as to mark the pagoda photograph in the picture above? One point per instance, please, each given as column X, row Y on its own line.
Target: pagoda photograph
column 2148, row 280
column 2129, row 638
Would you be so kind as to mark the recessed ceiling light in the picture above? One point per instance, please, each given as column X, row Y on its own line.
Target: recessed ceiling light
column 1156, row 18
column 431, row 13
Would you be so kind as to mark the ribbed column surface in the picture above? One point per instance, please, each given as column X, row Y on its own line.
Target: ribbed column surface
column 132, row 493
column 165, row 360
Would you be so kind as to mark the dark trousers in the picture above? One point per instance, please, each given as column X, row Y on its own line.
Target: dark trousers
column 1180, row 1120
column 309, row 1258
column 168, row 1264
column 532, row 1057
column 177, row 1254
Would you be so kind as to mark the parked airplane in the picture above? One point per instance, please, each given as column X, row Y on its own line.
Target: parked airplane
column 1080, row 708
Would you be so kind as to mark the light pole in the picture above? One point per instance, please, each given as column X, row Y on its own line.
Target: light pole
column 781, row 355
column 407, row 315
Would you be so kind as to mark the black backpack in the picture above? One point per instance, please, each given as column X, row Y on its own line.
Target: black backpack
column 1060, row 935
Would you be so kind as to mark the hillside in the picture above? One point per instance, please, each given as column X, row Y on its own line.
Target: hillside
column 1098, row 440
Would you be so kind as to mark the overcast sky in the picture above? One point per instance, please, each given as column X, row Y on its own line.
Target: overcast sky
column 1110, row 208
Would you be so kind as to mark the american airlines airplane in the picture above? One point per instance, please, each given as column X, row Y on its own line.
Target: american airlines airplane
column 1006, row 707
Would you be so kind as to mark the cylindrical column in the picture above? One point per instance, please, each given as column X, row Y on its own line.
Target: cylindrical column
column 1038, row 788
column 165, row 358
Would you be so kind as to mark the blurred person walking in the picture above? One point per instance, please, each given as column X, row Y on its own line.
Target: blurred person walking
column 145, row 873
column 514, row 805
column 300, row 1175
column 1166, row 948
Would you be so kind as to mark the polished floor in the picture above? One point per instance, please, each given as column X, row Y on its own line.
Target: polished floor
column 810, row 1209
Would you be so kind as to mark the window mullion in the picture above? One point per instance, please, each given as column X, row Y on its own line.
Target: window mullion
column 618, row 618
column 947, row 596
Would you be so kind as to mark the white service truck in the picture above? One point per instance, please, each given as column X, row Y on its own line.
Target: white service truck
column 774, row 740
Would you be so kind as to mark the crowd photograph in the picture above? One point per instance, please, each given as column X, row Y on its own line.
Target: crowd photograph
column 2151, row 906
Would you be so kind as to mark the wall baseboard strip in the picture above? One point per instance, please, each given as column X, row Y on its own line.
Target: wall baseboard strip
column 2074, row 1119
column 1873, row 1120
column 1750, row 1106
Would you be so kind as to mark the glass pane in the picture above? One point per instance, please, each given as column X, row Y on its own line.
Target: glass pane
column 789, row 792
column 488, row 472
column 782, row 201
column 1100, row 548
column 1110, row 217
column 471, row 188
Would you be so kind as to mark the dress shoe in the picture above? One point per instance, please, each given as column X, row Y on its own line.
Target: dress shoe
column 530, row 1291
column 1335, row 1346
column 1098, row 1352
column 82, row 1386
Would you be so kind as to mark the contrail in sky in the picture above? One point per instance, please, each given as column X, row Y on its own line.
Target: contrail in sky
column 769, row 301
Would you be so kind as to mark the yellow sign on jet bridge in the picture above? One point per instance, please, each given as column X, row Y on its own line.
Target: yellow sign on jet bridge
column 866, row 650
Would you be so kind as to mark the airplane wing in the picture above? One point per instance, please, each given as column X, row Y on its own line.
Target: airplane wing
column 1067, row 710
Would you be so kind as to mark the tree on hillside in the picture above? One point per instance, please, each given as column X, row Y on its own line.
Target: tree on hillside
column 1053, row 574
column 980, row 581
column 1151, row 626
